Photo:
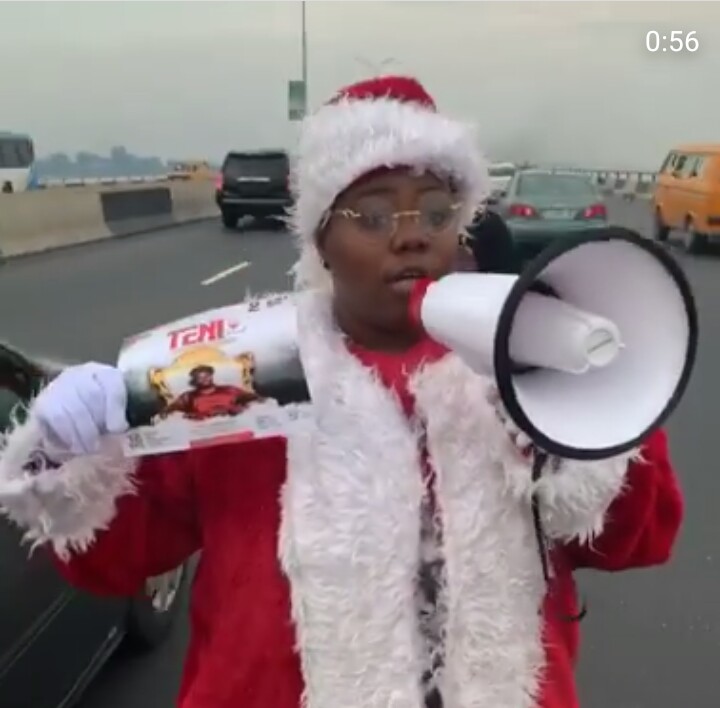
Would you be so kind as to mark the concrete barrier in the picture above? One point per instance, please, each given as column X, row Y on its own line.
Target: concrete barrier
column 129, row 211
column 31, row 222
column 193, row 200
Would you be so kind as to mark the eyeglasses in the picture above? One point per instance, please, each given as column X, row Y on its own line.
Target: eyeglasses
column 378, row 218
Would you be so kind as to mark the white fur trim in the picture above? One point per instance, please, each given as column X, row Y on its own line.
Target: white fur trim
column 350, row 535
column 66, row 505
column 576, row 497
column 495, row 588
column 343, row 141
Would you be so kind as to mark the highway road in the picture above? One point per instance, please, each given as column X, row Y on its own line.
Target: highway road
column 651, row 639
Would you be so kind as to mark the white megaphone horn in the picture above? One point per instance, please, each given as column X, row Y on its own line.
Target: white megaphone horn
column 591, row 347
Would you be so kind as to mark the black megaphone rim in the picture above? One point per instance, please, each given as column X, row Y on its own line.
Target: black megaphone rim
column 505, row 370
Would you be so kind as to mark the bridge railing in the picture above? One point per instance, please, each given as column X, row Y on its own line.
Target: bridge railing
column 628, row 184
column 91, row 181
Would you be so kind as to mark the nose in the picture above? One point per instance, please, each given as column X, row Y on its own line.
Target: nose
column 409, row 236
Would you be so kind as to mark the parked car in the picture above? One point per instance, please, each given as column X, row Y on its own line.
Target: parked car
column 254, row 183
column 542, row 206
column 53, row 638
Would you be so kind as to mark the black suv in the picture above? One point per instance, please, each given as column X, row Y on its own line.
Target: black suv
column 253, row 183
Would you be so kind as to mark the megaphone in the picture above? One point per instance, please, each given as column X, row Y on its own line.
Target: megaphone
column 591, row 347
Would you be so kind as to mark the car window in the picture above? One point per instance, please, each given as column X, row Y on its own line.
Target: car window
column 668, row 164
column 14, row 154
column 8, row 403
column 679, row 163
column 555, row 185
column 693, row 166
column 275, row 166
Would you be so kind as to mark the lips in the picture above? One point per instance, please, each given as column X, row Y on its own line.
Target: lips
column 408, row 274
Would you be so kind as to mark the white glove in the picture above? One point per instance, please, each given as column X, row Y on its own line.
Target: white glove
column 80, row 406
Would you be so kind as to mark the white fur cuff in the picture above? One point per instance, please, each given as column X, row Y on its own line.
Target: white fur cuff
column 64, row 505
column 574, row 499
column 574, row 494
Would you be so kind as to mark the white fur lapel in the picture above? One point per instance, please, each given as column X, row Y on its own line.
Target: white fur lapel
column 350, row 535
column 495, row 586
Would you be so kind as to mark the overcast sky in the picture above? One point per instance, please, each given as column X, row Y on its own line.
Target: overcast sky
column 569, row 83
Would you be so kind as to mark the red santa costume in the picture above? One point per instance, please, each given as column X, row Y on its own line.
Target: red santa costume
column 306, row 592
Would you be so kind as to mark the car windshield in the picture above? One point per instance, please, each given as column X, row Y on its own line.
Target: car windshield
column 555, row 185
column 15, row 153
column 256, row 166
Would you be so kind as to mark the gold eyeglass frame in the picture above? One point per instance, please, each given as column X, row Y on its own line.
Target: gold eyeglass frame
column 395, row 216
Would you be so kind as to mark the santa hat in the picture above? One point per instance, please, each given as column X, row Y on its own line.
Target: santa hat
column 390, row 121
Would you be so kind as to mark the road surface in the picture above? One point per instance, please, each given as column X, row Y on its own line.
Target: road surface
column 651, row 639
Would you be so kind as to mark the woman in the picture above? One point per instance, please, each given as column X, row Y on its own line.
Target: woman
column 384, row 555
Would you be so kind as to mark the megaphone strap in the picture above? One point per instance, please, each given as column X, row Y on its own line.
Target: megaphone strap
column 540, row 458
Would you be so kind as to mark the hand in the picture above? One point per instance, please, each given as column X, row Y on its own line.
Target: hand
column 80, row 406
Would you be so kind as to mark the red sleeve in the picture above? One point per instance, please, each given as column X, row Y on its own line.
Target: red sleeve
column 644, row 521
column 241, row 395
column 153, row 532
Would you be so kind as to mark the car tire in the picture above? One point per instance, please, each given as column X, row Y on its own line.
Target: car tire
column 152, row 613
column 230, row 219
column 662, row 232
column 275, row 223
column 693, row 243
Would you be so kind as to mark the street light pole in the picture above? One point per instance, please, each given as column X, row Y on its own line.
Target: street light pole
column 303, row 50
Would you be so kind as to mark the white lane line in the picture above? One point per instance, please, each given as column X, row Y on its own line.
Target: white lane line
column 224, row 273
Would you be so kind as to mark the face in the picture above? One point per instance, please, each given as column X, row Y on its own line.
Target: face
column 375, row 254
column 203, row 379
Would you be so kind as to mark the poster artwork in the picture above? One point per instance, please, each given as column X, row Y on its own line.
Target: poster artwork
column 225, row 375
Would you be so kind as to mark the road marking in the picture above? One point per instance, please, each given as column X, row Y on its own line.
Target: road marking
column 224, row 273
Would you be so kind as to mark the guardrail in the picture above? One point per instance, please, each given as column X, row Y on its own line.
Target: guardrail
column 628, row 184
column 90, row 181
